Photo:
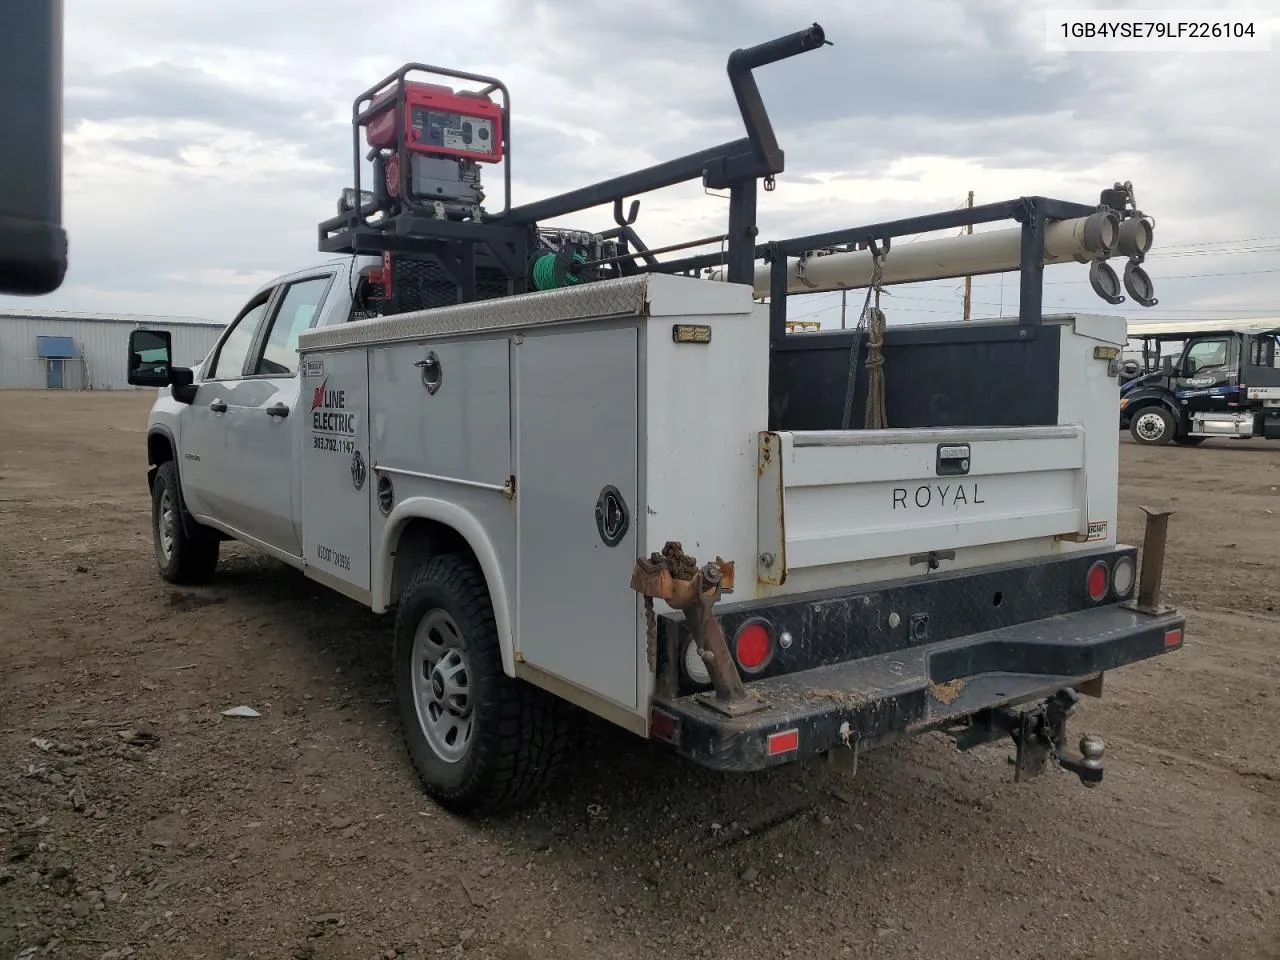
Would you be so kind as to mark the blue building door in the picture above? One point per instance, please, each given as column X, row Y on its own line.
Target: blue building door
column 53, row 380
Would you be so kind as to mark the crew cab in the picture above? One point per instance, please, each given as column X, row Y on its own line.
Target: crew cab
column 601, row 496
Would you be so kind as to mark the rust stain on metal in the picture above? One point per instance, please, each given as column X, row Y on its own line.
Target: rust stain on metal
column 674, row 576
column 650, row 635
column 766, row 454
column 948, row 692
column 772, row 572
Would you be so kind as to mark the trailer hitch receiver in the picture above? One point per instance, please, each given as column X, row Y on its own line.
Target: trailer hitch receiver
column 1039, row 735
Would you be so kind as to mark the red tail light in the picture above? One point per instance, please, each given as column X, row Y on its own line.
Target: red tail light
column 753, row 645
column 1098, row 581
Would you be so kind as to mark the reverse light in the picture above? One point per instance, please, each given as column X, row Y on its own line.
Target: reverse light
column 694, row 666
column 1122, row 577
column 753, row 645
column 1098, row 581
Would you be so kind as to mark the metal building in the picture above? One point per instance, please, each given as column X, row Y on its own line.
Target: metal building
column 62, row 350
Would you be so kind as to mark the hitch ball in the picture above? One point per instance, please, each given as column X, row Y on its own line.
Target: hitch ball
column 1091, row 750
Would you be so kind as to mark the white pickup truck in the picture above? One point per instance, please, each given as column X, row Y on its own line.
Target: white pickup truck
column 603, row 495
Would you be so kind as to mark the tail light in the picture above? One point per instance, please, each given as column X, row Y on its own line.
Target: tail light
column 753, row 646
column 1099, row 581
column 1122, row 577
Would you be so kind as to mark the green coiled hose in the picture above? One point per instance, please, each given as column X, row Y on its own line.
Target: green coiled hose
column 550, row 272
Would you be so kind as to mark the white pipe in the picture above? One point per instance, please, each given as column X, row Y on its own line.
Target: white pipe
column 995, row 251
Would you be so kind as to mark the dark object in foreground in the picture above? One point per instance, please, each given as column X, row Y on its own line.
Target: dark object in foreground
column 33, row 244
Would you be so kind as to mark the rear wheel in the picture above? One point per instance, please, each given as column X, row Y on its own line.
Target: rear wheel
column 183, row 556
column 481, row 741
column 1153, row 426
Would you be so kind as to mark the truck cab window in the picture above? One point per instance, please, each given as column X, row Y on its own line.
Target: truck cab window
column 298, row 310
column 228, row 363
column 1263, row 352
column 1206, row 354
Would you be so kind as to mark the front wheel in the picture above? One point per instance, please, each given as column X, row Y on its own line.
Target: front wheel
column 480, row 740
column 181, row 557
column 1153, row 426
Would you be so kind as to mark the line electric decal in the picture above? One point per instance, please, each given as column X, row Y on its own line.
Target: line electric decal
column 333, row 426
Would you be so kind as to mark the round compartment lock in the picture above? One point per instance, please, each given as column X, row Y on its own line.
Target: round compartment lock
column 432, row 372
column 386, row 495
column 612, row 517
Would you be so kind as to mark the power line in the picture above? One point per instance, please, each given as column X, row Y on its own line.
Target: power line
column 1171, row 276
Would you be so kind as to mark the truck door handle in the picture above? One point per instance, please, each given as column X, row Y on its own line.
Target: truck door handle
column 279, row 410
column 218, row 406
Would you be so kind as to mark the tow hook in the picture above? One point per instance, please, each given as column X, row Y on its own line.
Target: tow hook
column 675, row 577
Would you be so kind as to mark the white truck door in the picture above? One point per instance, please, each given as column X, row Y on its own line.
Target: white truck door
column 263, row 427
column 207, row 483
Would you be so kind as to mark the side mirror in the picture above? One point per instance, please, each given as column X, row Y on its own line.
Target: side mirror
column 1189, row 367
column 1166, row 366
column 151, row 358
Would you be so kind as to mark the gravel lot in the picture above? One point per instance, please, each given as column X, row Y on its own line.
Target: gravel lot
column 137, row 821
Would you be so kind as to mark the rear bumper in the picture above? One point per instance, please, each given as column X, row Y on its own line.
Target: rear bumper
column 908, row 691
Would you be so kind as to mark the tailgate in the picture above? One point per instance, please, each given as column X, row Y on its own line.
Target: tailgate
column 830, row 497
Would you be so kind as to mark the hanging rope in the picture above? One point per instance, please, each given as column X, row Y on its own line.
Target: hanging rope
column 872, row 322
column 875, row 416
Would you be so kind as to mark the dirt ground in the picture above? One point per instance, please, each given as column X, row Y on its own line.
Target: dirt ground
column 137, row 821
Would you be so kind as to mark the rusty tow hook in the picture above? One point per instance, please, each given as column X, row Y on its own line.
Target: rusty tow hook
column 676, row 578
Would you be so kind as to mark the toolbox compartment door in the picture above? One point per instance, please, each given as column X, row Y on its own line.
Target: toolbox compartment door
column 577, row 421
column 833, row 497
column 336, row 473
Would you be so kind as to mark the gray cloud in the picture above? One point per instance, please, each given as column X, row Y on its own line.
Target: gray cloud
column 601, row 88
column 152, row 98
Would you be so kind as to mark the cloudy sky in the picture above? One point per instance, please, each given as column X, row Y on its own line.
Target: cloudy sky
column 204, row 141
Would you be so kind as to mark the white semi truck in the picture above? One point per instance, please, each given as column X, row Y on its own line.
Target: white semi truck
column 580, row 474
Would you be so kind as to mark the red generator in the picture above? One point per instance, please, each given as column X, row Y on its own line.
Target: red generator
column 447, row 134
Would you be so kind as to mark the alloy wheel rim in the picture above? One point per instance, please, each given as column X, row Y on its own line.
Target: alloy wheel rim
column 442, row 686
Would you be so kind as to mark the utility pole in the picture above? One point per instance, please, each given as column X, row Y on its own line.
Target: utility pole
column 968, row 281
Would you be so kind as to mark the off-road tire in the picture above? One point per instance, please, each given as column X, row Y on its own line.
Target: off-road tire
column 1142, row 423
column 192, row 554
column 519, row 732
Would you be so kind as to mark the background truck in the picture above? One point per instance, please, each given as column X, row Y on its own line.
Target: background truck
column 1187, row 381
column 583, row 473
